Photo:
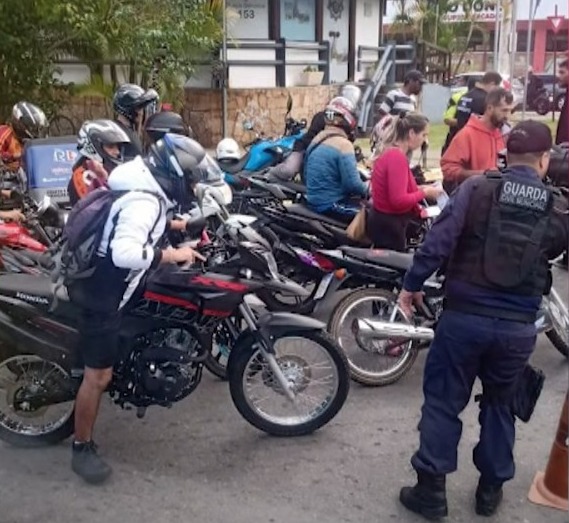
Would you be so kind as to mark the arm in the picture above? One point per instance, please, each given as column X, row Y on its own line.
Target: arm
column 351, row 181
column 387, row 105
column 449, row 116
column 456, row 160
column 129, row 245
column 397, row 175
column 440, row 241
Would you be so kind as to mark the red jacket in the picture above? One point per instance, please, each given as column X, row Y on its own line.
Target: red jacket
column 474, row 148
column 393, row 187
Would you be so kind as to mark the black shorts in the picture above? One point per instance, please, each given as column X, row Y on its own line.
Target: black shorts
column 99, row 338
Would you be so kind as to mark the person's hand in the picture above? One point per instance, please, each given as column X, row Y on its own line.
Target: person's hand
column 14, row 215
column 178, row 224
column 6, row 193
column 432, row 191
column 407, row 299
column 97, row 169
column 183, row 254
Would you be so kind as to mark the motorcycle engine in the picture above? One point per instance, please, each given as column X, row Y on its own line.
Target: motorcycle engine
column 160, row 370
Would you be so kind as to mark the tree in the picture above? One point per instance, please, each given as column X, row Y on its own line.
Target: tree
column 428, row 19
column 34, row 33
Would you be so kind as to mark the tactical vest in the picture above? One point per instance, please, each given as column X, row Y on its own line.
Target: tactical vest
column 505, row 238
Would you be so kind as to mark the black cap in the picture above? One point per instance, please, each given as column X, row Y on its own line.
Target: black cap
column 529, row 137
column 415, row 76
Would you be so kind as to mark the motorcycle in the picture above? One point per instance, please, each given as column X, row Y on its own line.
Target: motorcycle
column 382, row 332
column 263, row 153
column 164, row 342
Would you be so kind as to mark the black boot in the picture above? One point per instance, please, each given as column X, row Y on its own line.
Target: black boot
column 88, row 464
column 427, row 498
column 488, row 499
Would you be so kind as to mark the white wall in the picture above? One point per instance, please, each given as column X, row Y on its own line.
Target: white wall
column 293, row 72
column 367, row 30
column 241, row 76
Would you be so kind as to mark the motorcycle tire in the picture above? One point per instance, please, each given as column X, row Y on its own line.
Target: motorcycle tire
column 359, row 375
column 59, row 434
column 558, row 342
column 215, row 367
column 246, row 351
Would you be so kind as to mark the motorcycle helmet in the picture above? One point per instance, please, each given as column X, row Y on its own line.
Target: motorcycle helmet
column 228, row 149
column 96, row 137
column 28, row 121
column 130, row 98
column 174, row 161
column 340, row 112
column 351, row 92
column 164, row 122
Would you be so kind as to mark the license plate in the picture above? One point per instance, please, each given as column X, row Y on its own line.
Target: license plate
column 323, row 287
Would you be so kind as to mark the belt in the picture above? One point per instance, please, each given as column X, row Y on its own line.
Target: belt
column 454, row 304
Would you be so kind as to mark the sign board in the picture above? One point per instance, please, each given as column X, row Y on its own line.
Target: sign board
column 482, row 11
column 248, row 19
column 555, row 23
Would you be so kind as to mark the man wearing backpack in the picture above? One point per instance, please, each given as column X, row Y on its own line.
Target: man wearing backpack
column 132, row 220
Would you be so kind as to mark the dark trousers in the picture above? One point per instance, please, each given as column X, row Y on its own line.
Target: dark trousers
column 388, row 231
column 467, row 346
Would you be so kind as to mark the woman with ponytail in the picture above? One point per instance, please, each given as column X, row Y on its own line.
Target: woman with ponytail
column 395, row 194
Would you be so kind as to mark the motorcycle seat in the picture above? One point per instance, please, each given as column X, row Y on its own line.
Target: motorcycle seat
column 291, row 186
column 31, row 286
column 301, row 210
column 394, row 260
column 233, row 168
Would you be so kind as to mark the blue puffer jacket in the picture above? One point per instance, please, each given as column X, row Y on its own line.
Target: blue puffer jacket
column 331, row 172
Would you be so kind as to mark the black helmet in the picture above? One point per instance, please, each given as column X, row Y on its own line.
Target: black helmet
column 28, row 121
column 129, row 98
column 164, row 122
column 174, row 161
column 94, row 135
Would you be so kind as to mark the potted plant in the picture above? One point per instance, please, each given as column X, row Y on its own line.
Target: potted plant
column 311, row 76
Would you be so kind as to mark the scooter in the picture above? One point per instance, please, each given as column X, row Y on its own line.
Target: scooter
column 263, row 153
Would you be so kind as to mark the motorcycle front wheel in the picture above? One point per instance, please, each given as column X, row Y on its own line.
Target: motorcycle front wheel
column 314, row 367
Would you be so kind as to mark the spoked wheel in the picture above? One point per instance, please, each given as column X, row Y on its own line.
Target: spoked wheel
column 315, row 370
column 24, row 379
column 559, row 333
column 371, row 362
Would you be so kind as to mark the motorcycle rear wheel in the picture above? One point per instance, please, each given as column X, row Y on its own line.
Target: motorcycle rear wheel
column 24, row 373
column 402, row 361
column 247, row 364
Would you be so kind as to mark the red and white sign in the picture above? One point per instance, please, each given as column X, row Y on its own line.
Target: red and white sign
column 555, row 22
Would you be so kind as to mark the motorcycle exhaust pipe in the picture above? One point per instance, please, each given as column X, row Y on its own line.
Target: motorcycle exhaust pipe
column 383, row 330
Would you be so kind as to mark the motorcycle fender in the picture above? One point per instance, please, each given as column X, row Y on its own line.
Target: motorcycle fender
column 25, row 342
column 278, row 323
column 327, row 288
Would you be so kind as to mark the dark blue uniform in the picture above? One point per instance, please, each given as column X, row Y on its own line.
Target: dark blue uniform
column 486, row 331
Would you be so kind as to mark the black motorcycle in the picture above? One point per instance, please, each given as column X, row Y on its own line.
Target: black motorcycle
column 286, row 376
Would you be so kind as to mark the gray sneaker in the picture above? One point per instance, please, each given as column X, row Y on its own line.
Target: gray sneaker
column 87, row 463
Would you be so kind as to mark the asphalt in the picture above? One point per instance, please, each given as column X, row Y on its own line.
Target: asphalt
column 201, row 462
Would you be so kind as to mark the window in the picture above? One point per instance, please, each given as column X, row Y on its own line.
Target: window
column 248, row 19
column 522, row 44
column 560, row 37
column 298, row 20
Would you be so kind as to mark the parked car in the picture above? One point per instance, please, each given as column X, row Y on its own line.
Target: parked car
column 555, row 91
column 459, row 81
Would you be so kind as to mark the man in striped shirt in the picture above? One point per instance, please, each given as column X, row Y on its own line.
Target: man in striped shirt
column 403, row 99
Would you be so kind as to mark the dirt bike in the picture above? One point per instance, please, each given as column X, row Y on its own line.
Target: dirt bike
column 286, row 376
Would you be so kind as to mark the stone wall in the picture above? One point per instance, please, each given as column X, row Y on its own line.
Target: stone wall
column 264, row 108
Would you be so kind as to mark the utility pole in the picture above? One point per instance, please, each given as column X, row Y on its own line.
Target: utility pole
column 505, row 38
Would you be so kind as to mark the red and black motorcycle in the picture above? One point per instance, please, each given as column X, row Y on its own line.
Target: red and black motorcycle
column 286, row 375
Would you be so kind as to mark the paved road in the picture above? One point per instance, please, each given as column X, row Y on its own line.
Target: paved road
column 200, row 462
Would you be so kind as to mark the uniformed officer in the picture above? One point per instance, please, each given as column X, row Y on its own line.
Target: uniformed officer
column 495, row 237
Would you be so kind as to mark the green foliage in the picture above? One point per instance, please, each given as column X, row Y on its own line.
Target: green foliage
column 34, row 33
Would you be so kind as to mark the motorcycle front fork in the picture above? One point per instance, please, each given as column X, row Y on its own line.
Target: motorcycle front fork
column 267, row 350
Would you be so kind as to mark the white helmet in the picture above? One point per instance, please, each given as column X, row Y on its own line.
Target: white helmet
column 351, row 92
column 228, row 149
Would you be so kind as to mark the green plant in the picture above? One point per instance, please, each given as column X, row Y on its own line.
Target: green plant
column 310, row 69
